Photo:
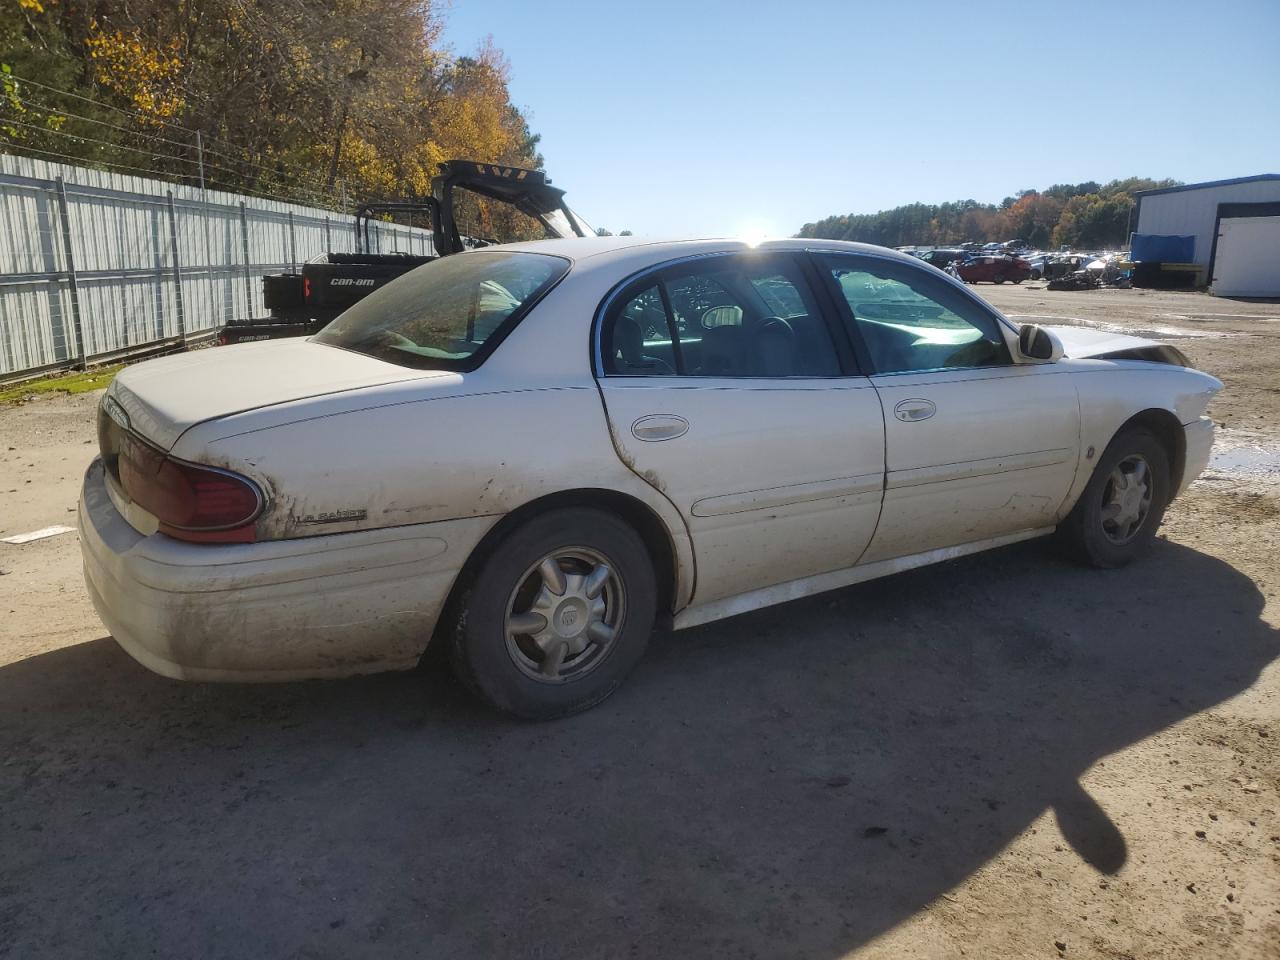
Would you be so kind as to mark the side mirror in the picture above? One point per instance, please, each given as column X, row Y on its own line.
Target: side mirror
column 1037, row 343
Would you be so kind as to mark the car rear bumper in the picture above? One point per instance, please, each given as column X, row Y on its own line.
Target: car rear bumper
column 322, row 606
column 1199, row 436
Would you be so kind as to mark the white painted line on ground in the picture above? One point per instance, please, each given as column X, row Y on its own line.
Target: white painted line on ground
column 37, row 534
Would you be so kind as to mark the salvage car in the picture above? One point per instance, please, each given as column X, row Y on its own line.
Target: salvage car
column 1036, row 262
column 991, row 269
column 943, row 257
column 532, row 454
column 1065, row 264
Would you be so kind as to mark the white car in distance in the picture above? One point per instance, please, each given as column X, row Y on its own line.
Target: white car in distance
column 536, row 452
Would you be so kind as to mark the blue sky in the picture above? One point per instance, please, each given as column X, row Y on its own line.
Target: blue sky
column 716, row 118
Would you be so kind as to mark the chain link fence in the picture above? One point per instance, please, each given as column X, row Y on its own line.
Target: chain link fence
column 96, row 265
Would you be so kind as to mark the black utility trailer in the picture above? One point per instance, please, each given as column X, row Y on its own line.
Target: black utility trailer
column 300, row 304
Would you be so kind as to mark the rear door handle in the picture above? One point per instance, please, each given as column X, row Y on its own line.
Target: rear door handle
column 910, row 411
column 659, row 426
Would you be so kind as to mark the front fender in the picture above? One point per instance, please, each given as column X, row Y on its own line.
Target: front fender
column 1113, row 392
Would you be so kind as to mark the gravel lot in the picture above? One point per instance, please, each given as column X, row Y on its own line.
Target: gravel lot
column 1003, row 756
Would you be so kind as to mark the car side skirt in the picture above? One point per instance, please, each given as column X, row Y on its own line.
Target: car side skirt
column 820, row 583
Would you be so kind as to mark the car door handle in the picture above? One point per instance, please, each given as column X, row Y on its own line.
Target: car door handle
column 910, row 411
column 659, row 426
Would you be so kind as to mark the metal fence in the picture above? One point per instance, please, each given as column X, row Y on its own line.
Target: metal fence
column 95, row 265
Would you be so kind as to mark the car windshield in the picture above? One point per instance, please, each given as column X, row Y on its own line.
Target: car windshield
column 447, row 314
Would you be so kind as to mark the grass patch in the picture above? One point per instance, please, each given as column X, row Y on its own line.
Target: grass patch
column 78, row 382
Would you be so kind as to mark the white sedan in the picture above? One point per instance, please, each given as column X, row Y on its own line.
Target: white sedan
column 532, row 454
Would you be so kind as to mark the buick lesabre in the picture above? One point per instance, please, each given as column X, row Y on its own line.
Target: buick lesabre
column 534, row 454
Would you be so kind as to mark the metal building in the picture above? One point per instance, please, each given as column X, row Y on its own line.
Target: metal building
column 1235, row 226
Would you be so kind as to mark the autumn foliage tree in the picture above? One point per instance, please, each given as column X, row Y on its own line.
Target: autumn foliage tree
column 1032, row 217
column 1085, row 215
column 300, row 97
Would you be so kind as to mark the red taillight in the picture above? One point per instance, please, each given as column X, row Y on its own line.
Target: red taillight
column 200, row 504
column 306, row 288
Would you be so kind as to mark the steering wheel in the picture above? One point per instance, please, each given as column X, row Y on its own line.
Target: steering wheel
column 773, row 347
column 776, row 322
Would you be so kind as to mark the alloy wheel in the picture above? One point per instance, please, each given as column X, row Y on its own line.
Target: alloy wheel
column 1126, row 499
column 564, row 615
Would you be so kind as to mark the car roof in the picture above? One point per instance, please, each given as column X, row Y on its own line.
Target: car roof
column 638, row 252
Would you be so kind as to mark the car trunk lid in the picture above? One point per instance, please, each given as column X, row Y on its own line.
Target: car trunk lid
column 161, row 399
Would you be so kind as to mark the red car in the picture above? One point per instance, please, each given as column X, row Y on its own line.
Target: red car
column 994, row 269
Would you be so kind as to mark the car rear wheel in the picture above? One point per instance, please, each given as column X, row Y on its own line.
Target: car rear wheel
column 1117, row 516
column 557, row 616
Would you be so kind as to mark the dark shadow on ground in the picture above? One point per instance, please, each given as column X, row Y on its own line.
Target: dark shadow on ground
column 789, row 783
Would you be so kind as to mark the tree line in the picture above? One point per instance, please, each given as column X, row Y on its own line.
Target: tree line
column 312, row 99
column 1085, row 215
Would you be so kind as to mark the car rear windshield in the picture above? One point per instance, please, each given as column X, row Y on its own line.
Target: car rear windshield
column 448, row 314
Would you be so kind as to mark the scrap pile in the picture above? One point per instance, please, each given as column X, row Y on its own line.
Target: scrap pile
column 1083, row 272
column 1016, row 261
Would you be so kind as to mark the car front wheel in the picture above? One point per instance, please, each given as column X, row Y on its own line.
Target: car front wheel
column 1117, row 516
column 557, row 616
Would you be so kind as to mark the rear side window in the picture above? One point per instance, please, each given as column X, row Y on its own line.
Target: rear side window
column 639, row 336
column 733, row 316
column 448, row 314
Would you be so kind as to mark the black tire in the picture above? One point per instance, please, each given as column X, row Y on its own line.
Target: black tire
column 1018, row 280
column 1086, row 535
column 1037, row 275
column 497, row 668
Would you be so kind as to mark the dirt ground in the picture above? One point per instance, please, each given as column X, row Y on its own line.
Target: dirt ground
column 1003, row 756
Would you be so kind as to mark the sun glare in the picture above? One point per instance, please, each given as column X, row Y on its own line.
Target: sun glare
column 755, row 232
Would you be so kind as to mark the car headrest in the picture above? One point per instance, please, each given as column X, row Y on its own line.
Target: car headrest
column 628, row 340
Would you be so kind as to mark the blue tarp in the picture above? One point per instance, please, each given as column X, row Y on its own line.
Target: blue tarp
column 1153, row 248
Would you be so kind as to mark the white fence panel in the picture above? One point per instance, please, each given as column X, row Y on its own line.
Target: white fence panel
column 123, row 233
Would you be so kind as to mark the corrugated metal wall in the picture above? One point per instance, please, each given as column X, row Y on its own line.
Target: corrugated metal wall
column 124, row 236
column 1193, row 212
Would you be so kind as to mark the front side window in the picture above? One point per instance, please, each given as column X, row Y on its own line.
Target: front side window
column 733, row 316
column 448, row 314
column 911, row 319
